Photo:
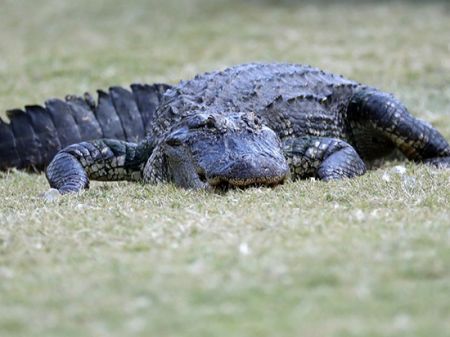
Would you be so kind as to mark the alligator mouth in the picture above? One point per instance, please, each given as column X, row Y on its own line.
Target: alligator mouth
column 224, row 183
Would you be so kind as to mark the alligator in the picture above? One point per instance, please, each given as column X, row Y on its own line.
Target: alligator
column 248, row 125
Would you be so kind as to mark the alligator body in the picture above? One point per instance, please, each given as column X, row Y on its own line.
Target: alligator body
column 252, row 124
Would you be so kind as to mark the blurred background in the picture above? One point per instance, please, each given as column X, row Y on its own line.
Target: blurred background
column 50, row 47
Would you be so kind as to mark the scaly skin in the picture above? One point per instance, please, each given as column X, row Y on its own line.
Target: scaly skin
column 250, row 125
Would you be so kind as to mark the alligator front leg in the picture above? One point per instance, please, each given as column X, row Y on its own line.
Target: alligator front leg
column 103, row 159
column 324, row 158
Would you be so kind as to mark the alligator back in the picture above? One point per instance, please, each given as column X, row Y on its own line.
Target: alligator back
column 312, row 100
column 34, row 135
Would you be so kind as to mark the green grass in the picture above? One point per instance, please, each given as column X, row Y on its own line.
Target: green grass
column 362, row 257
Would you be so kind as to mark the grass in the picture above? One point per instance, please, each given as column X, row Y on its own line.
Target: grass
column 361, row 257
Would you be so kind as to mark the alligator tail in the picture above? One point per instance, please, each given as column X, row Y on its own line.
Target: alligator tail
column 34, row 135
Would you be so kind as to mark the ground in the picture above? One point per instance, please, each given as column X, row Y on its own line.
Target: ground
column 362, row 257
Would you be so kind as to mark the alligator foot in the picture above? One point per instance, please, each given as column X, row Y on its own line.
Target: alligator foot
column 439, row 162
column 66, row 174
column 325, row 158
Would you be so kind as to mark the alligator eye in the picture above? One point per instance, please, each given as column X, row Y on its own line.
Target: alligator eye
column 176, row 138
column 210, row 122
column 201, row 122
column 173, row 141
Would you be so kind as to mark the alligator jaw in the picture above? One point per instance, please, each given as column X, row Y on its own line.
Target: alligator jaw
column 220, row 183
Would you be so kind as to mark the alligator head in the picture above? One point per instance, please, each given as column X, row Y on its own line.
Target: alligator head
column 210, row 150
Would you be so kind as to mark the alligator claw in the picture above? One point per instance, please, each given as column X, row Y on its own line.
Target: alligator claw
column 439, row 162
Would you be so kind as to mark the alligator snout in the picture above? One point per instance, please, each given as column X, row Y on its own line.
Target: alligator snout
column 248, row 171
